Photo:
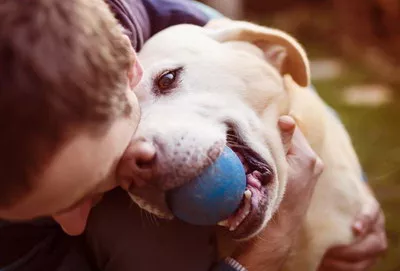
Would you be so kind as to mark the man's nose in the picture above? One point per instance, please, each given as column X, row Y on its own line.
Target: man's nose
column 137, row 164
column 73, row 222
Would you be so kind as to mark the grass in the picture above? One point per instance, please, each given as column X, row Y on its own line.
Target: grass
column 375, row 133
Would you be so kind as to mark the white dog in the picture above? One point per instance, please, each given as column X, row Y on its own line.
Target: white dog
column 203, row 86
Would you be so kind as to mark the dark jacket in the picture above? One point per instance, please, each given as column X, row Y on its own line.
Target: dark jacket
column 142, row 19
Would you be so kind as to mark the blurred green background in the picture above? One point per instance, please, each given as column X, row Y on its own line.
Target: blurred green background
column 375, row 133
column 354, row 47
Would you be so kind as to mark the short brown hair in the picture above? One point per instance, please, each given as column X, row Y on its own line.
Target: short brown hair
column 62, row 65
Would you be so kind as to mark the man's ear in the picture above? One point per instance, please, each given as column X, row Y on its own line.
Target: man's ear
column 135, row 70
column 280, row 49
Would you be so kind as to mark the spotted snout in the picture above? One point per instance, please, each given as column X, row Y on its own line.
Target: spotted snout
column 158, row 164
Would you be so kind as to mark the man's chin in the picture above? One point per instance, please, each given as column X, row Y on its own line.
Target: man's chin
column 73, row 222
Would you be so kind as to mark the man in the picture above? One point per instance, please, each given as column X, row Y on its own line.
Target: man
column 68, row 113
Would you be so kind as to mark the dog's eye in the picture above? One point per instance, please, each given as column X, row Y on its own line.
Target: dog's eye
column 167, row 80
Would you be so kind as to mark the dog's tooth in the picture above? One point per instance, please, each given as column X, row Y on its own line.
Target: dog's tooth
column 247, row 194
column 224, row 223
column 244, row 212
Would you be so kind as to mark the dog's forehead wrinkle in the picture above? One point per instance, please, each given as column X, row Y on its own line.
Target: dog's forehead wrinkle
column 178, row 41
column 185, row 31
column 250, row 49
column 169, row 56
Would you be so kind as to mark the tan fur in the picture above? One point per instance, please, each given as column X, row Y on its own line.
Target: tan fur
column 340, row 193
column 237, row 72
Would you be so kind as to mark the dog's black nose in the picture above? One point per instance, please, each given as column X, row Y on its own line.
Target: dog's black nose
column 143, row 153
column 137, row 164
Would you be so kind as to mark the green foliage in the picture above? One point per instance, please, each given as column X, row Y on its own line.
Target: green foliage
column 376, row 137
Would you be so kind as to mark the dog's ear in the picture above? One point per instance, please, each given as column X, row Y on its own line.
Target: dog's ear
column 280, row 49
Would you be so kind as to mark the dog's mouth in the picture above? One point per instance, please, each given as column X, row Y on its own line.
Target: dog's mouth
column 259, row 176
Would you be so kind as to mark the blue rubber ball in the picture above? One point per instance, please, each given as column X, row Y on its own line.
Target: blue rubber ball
column 214, row 195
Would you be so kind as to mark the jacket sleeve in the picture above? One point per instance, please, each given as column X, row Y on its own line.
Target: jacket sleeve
column 143, row 18
column 134, row 18
column 165, row 13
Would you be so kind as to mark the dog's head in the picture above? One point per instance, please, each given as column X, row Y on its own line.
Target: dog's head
column 205, row 88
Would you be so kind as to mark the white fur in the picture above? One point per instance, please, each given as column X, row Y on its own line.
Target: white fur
column 227, row 79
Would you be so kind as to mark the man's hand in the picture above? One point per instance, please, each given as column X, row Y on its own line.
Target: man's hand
column 271, row 248
column 371, row 242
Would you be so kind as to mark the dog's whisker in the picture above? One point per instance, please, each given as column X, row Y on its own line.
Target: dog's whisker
column 385, row 175
column 141, row 218
column 151, row 218
column 155, row 220
column 148, row 217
